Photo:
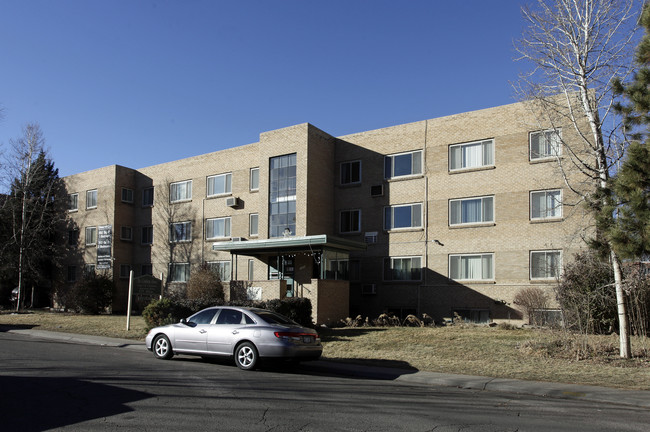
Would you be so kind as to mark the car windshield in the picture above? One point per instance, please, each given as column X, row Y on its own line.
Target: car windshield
column 274, row 318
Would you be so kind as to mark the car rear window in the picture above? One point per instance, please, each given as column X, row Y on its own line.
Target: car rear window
column 273, row 318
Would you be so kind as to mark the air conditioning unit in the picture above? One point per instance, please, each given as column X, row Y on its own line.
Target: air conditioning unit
column 232, row 201
column 238, row 239
column 369, row 289
column 370, row 237
column 377, row 190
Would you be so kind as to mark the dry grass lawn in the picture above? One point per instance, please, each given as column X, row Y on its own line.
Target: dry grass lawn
column 527, row 354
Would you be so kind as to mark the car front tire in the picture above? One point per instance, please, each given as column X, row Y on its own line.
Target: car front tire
column 246, row 356
column 162, row 348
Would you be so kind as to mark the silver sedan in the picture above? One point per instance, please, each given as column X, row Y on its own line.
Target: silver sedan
column 246, row 334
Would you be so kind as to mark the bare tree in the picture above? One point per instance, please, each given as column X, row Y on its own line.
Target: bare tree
column 577, row 48
column 35, row 206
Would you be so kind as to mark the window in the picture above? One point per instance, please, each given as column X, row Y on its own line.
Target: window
column 221, row 269
column 471, row 210
column 89, row 269
column 254, row 179
column 147, row 197
column 73, row 237
column 351, row 172
column 545, row 264
column 253, row 222
column 127, row 195
column 471, row 155
column 91, row 236
column 220, row 184
column 126, row 233
column 180, row 191
column 217, row 228
column 471, row 267
column 91, row 199
column 203, row 317
column 282, row 195
column 73, row 202
column 179, row 272
column 546, row 204
column 125, row 271
column 403, row 269
column 72, row 274
column 403, row 164
column 180, row 232
column 545, row 144
column 146, row 270
column 350, row 221
column 147, row 235
column 403, row 216
column 251, row 269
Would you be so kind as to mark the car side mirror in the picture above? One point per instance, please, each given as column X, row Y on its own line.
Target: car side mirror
column 183, row 321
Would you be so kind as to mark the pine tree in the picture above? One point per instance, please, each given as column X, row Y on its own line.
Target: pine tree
column 630, row 231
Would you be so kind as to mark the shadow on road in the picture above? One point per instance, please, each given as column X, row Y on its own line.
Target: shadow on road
column 37, row 403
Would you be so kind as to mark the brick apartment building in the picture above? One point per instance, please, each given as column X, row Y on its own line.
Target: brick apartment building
column 447, row 216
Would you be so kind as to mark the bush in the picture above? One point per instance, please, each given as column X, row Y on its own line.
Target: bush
column 532, row 299
column 205, row 285
column 164, row 311
column 586, row 294
column 93, row 294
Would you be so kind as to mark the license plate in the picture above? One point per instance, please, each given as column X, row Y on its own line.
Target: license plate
column 307, row 339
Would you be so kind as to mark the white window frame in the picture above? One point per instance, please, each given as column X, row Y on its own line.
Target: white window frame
column 256, row 225
column 127, row 195
column 91, row 199
column 209, row 228
column 148, row 239
column 482, row 257
column 173, row 274
column 227, row 185
column 389, row 220
column 175, row 191
column 548, row 134
column 126, row 233
column 389, row 267
column 348, row 168
column 545, row 216
column 73, row 202
column 187, row 230
column 557, row 252
column 389, row 165
column 92, row 229
column 484, row 208
column 254, row 179
column 223, row 268
column 486, row 156
column 145, row 202
column 350, row 217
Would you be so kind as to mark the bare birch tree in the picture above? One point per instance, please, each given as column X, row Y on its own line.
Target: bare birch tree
column 577, row 48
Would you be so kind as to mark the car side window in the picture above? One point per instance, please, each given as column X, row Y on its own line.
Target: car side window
column 203, row 317
column 248, row 319
column 229, row 316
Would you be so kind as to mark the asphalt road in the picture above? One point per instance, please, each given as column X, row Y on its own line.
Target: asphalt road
column 50, row 384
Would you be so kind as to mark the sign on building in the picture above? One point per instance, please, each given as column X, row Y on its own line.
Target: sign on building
column 104, row 243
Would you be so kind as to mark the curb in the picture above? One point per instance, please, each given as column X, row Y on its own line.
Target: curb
column 638, row 398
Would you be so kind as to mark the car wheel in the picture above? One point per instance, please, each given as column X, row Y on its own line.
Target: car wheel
column 162, row 348
column 246, row 356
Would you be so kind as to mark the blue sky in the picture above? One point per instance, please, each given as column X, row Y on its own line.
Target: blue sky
column 142, row 82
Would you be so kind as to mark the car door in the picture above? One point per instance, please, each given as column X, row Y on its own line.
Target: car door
column 192, row 336
column 226, row 331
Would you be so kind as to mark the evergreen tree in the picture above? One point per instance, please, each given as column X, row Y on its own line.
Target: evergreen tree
column 631, row 187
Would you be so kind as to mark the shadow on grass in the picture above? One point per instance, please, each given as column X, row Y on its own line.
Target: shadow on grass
column 342, row 334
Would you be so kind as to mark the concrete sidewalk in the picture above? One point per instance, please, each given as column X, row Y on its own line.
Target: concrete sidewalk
column 606, row 395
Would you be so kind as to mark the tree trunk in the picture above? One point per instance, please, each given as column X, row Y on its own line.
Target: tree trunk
column 625, row 350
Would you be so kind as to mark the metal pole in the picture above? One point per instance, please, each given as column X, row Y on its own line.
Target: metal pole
column 128, row 308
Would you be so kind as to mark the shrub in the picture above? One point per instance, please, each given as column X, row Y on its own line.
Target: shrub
column 164, row 311
column 205, row 285
column 586, row 294
column 93, row 294
column 532, row 299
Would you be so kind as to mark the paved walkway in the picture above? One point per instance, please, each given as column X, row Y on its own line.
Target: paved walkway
column 545, row 389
